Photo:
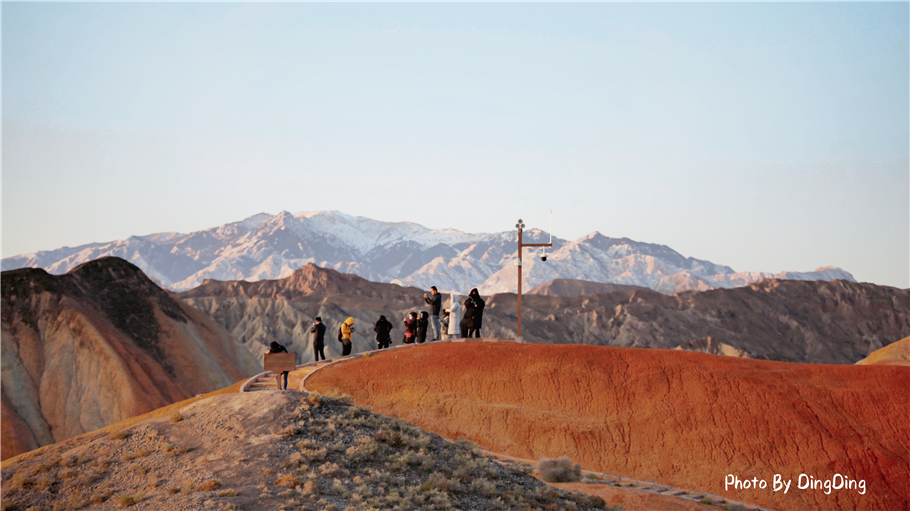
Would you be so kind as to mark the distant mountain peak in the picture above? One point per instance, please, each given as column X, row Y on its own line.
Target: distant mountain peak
column 266, row 246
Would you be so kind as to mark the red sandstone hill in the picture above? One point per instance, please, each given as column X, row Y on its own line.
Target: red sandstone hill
column 98, row 345
column 836, row 322
column 678, row 418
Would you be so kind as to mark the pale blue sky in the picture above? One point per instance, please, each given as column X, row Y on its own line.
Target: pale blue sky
column 762, row 136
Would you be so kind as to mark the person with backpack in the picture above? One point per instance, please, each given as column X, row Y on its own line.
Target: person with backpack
column 410, row 328
column 422, row 324
column 453, row 310
column 277, row 348
column 383, row 331
column 467, row 322
column 479, row 304
column 346, row 336
column 318, row 332
column 435, row 303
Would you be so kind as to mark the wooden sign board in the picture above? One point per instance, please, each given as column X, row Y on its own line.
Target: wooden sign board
column 280, row 362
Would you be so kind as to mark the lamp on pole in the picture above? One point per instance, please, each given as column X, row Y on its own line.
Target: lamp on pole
column 520, row 226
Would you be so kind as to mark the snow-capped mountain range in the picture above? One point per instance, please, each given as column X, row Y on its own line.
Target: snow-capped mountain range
column 273, row 246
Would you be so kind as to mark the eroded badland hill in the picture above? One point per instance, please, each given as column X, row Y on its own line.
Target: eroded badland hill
column 100, row 344
column 836, row 322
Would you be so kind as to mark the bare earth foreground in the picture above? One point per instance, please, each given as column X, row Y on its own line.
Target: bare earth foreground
column 678, row 418
column 271, row 451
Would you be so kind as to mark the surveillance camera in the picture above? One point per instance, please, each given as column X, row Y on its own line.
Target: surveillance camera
column 543, row 258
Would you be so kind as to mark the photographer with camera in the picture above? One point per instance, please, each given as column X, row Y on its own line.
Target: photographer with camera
column 346, row 336
column 435, row 303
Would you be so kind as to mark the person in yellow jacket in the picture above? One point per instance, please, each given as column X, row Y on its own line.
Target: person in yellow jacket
column 347, row 336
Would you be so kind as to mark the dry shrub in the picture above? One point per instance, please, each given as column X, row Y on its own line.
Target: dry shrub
column 364, row 450
column 392, row 438
column 310, row 489
column 291, row 430
column 230, row 492
column 176, row 417
column 287, row 481
column 128, row 500
column 339, row 397
column 210, row 485
column 558, row 471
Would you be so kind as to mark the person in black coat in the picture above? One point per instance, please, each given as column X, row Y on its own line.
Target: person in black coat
column 422, row 324
column 318, row 332
column 383, row 331
column 467, row 322
column 479, row 304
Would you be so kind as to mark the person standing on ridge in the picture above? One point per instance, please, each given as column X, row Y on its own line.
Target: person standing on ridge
column 453, row 310
column 467, row 322
column 479, row 304
column 422, row 324
column 435, row 303
column 383, row 331
column 318, row 332
column 346, row 336
column 277, row 348
column 410, row 328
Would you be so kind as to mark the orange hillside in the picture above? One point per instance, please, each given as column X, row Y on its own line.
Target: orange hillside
column 896, row 354
column 678, row 418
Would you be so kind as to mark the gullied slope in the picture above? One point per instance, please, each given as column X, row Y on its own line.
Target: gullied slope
column 677, row 418
column 896, row 353
column 574, row 287
column 98, row 345
column 836, row 322
column 257, row 313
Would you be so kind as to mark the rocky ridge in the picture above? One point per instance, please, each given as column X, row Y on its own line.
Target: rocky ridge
column 836, row 322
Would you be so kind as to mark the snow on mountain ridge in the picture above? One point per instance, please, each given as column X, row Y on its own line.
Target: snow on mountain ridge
column 272, row 246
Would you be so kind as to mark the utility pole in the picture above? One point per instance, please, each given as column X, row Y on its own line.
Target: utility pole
column 520, row 226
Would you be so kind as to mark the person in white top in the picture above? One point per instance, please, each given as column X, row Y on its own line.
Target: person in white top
column 453, row 310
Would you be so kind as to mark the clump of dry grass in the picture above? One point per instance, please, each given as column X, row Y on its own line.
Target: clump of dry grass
column 291, row 430
column 558, row 471
column 287, row 481
column 128, row 500
column 176, row 417
column 210, row 485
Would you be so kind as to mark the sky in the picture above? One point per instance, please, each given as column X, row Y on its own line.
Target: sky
column 761, row 136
